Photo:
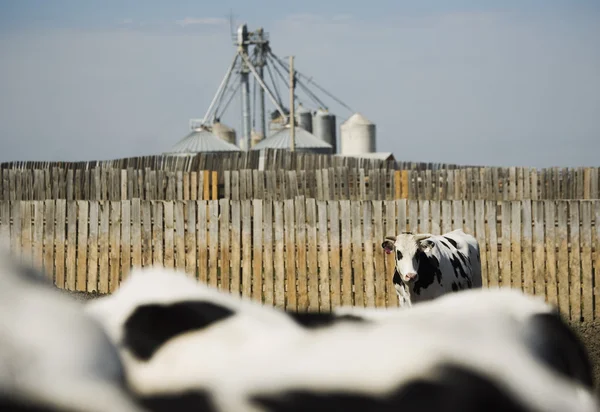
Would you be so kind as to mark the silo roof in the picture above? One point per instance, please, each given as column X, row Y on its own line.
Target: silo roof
column 357, row 118
column 281, row 140
column 202, row 140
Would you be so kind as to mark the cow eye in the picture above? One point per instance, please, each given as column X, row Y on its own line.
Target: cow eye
column 398, row 255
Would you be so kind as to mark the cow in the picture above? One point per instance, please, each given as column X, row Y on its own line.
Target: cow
column 536, row 323
column 428, row 266
column 188, row 346
column 53, row 357
column 161, row 318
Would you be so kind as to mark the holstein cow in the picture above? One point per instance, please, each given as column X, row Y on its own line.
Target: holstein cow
column 189, row 347
column 428, row 266
column 52, row 356
column 529, row 319
column 453, row 365
column 161, row 319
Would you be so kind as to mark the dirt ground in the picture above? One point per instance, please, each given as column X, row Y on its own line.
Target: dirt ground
column 589, row 333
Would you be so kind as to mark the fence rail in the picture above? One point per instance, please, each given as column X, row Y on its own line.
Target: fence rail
column 342, row 183
column 305, row 253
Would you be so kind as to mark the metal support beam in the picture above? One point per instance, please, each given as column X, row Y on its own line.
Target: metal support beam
column 262, row 84
column 221, row 88
column 292, row 117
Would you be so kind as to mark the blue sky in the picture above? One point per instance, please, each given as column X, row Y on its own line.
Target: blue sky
column 485, row 82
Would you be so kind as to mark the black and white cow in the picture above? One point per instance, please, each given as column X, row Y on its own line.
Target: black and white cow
column 190, row 347
column 529, row 319
column 53, row 357
column 428, row 266
column 173, row 332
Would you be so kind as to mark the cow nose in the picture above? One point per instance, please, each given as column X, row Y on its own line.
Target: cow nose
column 411, row 276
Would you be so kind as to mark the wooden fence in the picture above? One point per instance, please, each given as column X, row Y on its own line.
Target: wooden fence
column 107, row 184
column 341, row 183
column 305, row 253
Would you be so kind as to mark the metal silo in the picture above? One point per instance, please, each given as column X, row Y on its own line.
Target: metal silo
column 255, row 138
column 324, row 127
column 304, row 118
column 224, row 132
column 276, row 124
column 357, row 135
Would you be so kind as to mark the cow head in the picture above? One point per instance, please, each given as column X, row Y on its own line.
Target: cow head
column 409, row 249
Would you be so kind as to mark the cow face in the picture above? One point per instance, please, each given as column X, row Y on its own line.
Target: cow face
column 409, row 250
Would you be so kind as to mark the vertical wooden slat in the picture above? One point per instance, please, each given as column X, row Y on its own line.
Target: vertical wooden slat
column 528, row 273
column 49, row 209
column 179, row 235
column 71, row 263
column 390, row 225
column 312, row 257
column 290, row 256
column 38, row 234
column 301, row 254
column 346, row 246
column 202, row 240
column 446, row 216
column 268, row 219
column 587, row 285
column 551, row 259
column 574, row 262
column 480, row 235
column 323, row 245
column 380, row 272
column 190, row 239
column 236, row 251
column 115, row 245
column 563, row 257
column 213, row 238
column 82, row 244
column 257, row 250
column 505, row 263
column 169, row 258
column 335, row 274
column 103, row 273
column 92, row 263
column 369, row 274
column 596, row 257
column 126, row 237
column 539, row 243
column 26, row 229
column 279, row 270
column 357, row 254
column 225, row 243
column 413, row 215
column 136, row 233
column 146, row 240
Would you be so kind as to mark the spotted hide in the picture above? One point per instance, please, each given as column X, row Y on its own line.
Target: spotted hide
column 428, row 266
column 53, row 358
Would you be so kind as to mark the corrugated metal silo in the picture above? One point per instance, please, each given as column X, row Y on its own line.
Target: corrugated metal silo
column 304, row 118
column 224, row 132
column 324, row 127
column 357, row 135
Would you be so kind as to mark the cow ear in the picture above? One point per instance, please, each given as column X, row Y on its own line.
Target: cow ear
column 426, row 244
column 388, row 244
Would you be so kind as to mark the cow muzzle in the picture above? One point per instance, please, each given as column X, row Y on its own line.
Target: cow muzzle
column 408, row 277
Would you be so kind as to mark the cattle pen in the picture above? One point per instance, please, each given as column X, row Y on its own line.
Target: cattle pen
column 303, row 231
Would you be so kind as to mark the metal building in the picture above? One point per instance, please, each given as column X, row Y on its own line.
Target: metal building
column 304, row 141
column 323, row 125
column 224, row 132
column 203, row 140
column 304, row 118
column 357, row 136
